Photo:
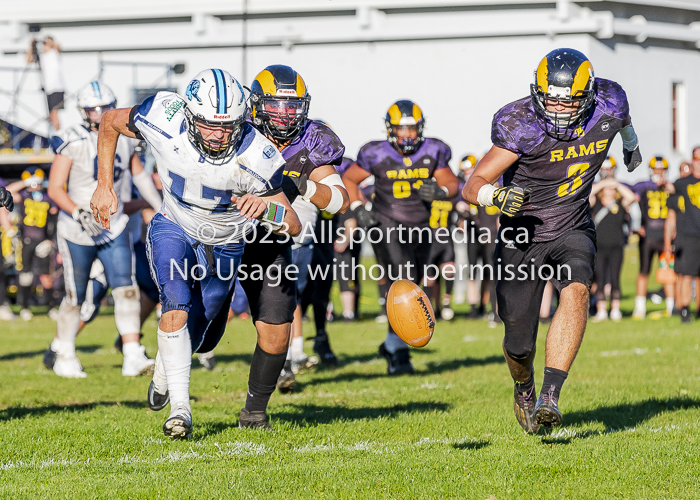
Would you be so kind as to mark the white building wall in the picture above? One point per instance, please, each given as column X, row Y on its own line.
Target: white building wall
column 460, row 83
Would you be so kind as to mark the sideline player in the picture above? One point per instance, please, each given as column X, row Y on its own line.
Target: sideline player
column 279, row 109
column 683, row 222
column 213, row 166
column 653, row 196
column 549, row 147
column 81, row 239
column 410, row 171
column 37, row 225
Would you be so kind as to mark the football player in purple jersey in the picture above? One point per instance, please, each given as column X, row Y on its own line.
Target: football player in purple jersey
column 410, row 171
column 279, row 104
column 653, row 196
column 549, row 147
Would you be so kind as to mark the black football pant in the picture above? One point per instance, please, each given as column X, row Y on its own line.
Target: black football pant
column 607, row 270
column 522, row 273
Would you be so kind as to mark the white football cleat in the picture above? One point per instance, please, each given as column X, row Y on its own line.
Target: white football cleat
column 6, row 314
column 179, row 423
column 137, row 363
column 207, row 360
column 381, row 319
column 303, row 362
column 601, row 315
column 615, row 315
column 26, row 315
column 639, row 313
column 68, row 366
column 447, row 313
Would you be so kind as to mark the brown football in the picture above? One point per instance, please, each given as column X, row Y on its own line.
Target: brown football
column 410, row 313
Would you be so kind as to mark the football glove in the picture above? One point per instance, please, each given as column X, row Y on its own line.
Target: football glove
column 43, row 249
column 509, row 199
column 294, row 186
column 429, row 191
column 85, row 218
column 364, row 217
column 6, row 199
column 632, row 158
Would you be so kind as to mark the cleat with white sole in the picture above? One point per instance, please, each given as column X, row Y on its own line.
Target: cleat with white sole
column 26, row 315
column 207, row 360
column 6, row 314
column 68, row 366
column 179, row 423
column 137, row 363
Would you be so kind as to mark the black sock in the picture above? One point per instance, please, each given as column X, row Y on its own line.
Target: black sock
column 321, row 335
column 526, row 387
column 265, row 369
column 553, row 380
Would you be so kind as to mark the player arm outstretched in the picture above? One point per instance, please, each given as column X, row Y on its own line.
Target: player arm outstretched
column 104, row 201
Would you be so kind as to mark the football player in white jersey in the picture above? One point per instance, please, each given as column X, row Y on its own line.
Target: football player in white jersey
column 72, row 181
column 219, row 177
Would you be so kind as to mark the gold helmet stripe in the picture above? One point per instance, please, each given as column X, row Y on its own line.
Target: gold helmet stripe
column 541, row 76
column 583, row 76
column 301, row 86
column 394, row 115
column 655, row 159
column 417, row 113
column 267, row 82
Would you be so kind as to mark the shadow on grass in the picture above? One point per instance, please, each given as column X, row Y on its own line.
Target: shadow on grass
column 87, row 349
column 312, row 415
column 616, row 418
column 433, row 368
column 234, row 358
column 17, row 412
column 472, row 445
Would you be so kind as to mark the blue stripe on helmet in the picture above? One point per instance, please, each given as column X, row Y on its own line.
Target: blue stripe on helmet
column 220, row 91
column 96, row 89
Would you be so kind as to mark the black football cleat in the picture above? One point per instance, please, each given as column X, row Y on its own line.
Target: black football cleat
column 685, row 315
column 399, row 362
column 253, row 420
column 524, row 408
column 49, row 358
column 156, row 400
column 286, row 381
column 323, row 348
column 547, row 409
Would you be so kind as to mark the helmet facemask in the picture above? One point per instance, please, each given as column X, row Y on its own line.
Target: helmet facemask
column 97, row 112
column 280, row 118
column 406, row 145
column 215, row 146
column 562, row 125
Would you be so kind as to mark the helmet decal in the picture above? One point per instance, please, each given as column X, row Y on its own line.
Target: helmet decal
column 96, row 88
column 192, row 90
column 221, row 99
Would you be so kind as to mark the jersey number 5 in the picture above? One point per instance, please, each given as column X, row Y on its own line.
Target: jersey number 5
column 577, row 170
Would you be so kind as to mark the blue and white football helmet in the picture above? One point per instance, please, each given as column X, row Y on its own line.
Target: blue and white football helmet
column 216, row 108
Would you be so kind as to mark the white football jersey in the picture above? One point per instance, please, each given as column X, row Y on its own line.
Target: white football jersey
column 196, row 192
column 80, row 145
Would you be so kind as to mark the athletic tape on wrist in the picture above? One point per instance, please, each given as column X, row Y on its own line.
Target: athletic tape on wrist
column 485, row 195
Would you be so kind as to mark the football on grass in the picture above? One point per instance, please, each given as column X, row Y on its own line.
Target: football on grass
column 410, row 313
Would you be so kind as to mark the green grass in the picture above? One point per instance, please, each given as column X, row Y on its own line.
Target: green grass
column 631, row 421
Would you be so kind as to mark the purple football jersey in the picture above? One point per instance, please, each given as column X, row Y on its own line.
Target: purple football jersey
column 34, row 214
column 397, row 178
column 653, row 205
column 316, row 145
column 560, row 173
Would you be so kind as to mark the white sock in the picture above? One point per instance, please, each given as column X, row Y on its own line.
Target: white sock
column 670, row 303
column 289, row 353
column 159, row 378
column 297, row 347
column 393, row 342
column 66, row 328
column 640, row 303
column 130, row 349
column 176, row 353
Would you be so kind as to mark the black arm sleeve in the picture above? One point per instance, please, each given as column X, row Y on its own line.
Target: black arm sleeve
column 131, row 125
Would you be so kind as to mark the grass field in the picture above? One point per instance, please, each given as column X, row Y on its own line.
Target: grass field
column 631, row 421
